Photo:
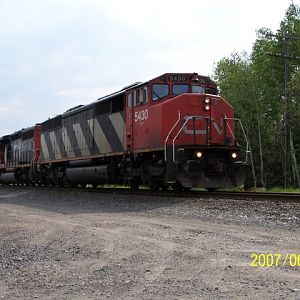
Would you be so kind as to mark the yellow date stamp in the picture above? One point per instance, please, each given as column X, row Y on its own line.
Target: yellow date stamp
column 275, row 260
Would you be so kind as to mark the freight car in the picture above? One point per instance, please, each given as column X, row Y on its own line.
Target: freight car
column 174, row 130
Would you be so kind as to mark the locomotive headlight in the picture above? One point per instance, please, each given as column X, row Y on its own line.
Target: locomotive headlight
column 198, row 154
column 234, row 155
column 207, row 107
column 207, row 100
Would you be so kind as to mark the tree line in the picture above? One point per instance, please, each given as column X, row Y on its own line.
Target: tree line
column 264, row 88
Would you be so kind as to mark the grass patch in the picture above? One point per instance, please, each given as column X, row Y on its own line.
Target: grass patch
column 282, row 190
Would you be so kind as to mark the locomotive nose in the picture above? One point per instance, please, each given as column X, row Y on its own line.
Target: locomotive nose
column 199, row 101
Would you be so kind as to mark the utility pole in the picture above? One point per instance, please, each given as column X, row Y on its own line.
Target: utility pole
column 286, row 115
column 287, row 160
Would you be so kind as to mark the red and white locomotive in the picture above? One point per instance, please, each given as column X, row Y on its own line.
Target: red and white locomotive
column 173, row 130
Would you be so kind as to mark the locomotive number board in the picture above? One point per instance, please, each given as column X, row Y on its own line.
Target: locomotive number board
column 177, row 78
column 183, row 78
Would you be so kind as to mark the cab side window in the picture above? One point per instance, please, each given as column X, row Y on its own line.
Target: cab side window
column 159, row 91
column 145, row 95
column 129, row 100
column 140, row 96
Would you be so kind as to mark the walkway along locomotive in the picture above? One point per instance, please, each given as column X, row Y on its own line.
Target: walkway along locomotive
column 173, row 130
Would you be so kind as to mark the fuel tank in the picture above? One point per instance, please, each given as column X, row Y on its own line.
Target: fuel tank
column 88, row 175
column 8, row 178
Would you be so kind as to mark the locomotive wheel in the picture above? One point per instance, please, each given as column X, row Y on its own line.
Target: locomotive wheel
column 154, row 185
column 163, row 186
column 179, row 187
column 134, row 185
column 61, row 181
column 157, row 185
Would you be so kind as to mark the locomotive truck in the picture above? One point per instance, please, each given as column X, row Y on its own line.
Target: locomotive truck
column 174, row 130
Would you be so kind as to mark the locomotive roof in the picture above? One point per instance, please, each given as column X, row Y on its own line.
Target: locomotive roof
column 27, row 129
column 18, row 134
column 4, row 138
column 80, row 108
column 124, row 89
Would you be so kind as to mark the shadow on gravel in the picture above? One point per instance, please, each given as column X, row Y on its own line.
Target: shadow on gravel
column 81, row 201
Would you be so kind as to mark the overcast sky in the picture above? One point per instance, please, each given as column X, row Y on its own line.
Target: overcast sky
column 56, row 54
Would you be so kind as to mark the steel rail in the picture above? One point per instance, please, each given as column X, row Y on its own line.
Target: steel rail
column 234, row 195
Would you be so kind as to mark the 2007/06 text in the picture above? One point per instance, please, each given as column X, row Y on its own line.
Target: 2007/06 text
column 275, row 260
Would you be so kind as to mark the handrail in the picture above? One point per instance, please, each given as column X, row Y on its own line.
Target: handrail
column 244, row 133
column 187, row 119
column 166, row 140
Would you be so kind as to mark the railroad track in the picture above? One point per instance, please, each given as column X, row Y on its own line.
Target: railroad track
column 295, row 197
column 205, row 194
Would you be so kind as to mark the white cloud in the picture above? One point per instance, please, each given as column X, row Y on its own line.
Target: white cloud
column 4, row 109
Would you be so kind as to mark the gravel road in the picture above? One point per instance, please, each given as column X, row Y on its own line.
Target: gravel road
column 58, row 244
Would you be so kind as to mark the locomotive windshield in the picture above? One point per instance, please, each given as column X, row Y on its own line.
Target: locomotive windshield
column 178, row 89
column 211, row 90
column 159, row 91
column 197, row 89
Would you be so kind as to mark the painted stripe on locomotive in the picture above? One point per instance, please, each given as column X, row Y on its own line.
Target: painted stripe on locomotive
column 60, row 143
column 79, row 135
column 55, row 145
column 87, row 137
column 100, row 138
column 118, row 122
column 73, row 146
column 67, row 143
column 110, row 132
column 45, row 152
column 95, row 142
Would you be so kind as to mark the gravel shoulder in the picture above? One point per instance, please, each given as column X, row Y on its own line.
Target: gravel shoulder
column 58, row 244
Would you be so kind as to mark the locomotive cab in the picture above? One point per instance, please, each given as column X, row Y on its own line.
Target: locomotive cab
column 144, row 102
column 180, row 120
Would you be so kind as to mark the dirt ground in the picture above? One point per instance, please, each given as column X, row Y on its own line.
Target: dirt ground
column 58, row 244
